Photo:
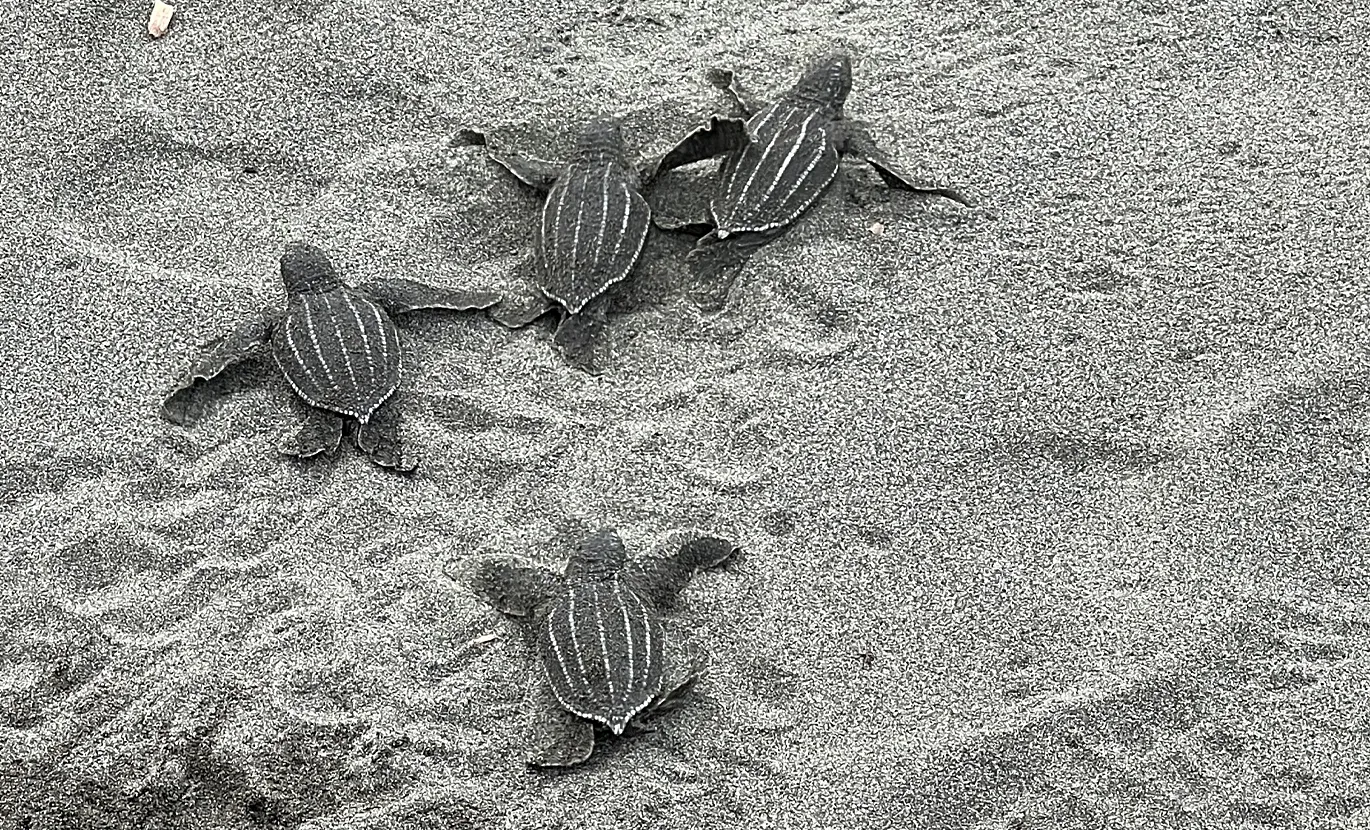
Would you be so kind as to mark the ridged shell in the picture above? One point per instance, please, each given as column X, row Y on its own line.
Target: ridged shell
column 602, row 651
column 787, row 165
column 593, row 226
column 339, row 351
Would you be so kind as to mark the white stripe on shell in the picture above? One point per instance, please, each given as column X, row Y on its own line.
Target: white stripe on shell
column 604, row 645
column 575, row 641
column 744, row 195
column 635, row 200
column 342, row 343
column 822, row 154
column 389, row 337
column 646, row 630
column 561, row 665
column 548, row 214
column 318, row 349
column 379, row 317
column 366, row 338
column 580, row 218
column 622, row 230
column 554, row 220
column 789, row 158
column 629, row 714
column 802, row 206
column 601, row 240
column 761, row 119
column 627, row 630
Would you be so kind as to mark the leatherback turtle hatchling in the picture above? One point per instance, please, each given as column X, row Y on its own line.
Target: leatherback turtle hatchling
column 777, row 163
column 338, row 349
column 593, row 225
column 605, row 654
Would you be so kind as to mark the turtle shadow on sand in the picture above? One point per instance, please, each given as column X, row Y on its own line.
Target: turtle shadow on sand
column 778, row 159
column 589, row 235
column 339, row 350
column 597, row 630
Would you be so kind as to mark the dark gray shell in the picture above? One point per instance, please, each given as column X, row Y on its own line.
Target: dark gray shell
column 602, row 649
column 593, row 227
column 788, row 163
column 791, row 156
column 339, row 351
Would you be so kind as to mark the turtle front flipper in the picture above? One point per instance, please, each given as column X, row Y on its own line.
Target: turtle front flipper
column 512, row 585
column 379, row 438
column 856, row 141
column 182, row 405
column 534, row 172
column 726, row 80
column 320, row 434
column 398, row 296
column 660, row 579
column 537, row 173
column 719, row 135
column 561, row 739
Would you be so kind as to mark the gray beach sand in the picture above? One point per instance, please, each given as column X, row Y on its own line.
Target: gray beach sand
column 1054, row 509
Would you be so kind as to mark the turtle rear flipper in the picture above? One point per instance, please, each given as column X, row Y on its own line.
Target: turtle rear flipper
column 685, row 673
column 719, row 135
column 320, row 434
column 379, row 438
column 579, row 337
column 513, row 585
column 561, row 738
column 857, row 142
column 522, row 306
column 715, row 264
column 660, row 579
column 398, row 296
column 521, row 310
column 182, row 405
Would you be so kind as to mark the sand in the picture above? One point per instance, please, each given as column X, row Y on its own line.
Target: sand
column 1054, row 509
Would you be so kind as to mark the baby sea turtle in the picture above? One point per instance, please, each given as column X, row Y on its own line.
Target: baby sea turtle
column 777, row 163
column 338, row 349
column 605, row 654
column 593, row 225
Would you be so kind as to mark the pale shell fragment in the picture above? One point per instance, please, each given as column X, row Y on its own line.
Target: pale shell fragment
column 161, row 18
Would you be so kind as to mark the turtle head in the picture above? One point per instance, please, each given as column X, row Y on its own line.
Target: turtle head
column 601, row 140
column 305, row 269
column 826, row 82
column 599, row 556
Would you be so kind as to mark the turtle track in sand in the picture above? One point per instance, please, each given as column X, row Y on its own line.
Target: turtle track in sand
column 180, row 659
column 1123, row 747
